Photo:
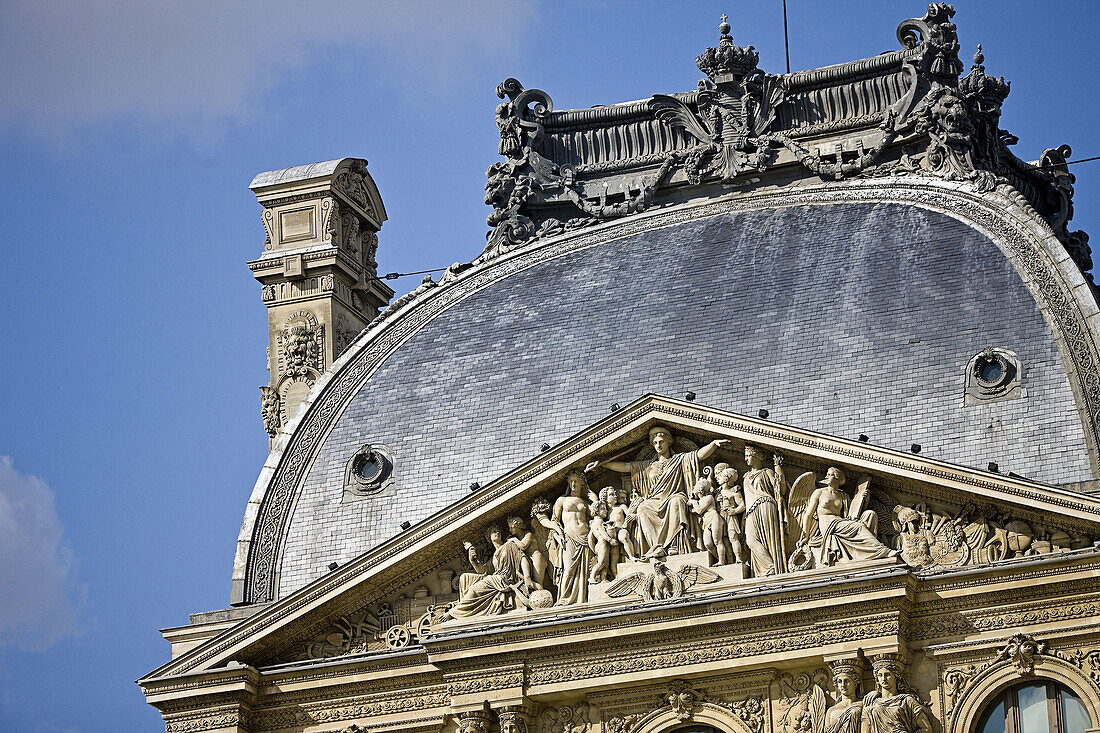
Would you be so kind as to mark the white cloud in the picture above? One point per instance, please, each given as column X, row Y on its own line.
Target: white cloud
column 36, row 566
column 69, row 63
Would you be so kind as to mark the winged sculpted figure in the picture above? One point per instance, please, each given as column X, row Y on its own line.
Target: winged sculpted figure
column 662, row 583
column 833, row 528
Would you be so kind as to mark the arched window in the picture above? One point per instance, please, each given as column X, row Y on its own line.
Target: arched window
column 1034, row 707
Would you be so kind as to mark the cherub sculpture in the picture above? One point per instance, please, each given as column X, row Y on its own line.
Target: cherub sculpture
column 619, row 518
column 731, row 503
column 602, row 542
column 703, row 503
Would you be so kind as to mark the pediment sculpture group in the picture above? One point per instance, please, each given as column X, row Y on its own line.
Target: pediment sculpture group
column 677, row 505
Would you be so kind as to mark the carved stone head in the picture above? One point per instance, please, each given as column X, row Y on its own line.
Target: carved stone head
column 847, row 678
column 888, row 671
column 660, row 438
column 495, row 535
column 834, row 477
column 517, row 526
column 576, row 482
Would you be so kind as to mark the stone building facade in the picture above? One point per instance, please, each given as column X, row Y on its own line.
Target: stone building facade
column 770, row 406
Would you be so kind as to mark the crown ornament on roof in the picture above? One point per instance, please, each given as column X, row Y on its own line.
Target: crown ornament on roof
column 991, row 91
column 728, row 62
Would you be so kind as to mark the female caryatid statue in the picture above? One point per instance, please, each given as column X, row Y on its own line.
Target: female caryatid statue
column 663, row 483
column 892, row 708
column 846, row 715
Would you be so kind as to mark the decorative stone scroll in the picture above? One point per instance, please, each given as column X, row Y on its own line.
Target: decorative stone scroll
column 965, row 687
column 727, row 132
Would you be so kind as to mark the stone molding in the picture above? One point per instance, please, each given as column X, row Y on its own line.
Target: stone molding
column 427, row 541
column 965, row 688
column 1004, row 216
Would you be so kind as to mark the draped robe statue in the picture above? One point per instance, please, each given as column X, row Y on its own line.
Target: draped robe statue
column 846, row 716
column 764, row 491
column 489, row 591
column 663, row 518
column 832, row 536
column 892, row 710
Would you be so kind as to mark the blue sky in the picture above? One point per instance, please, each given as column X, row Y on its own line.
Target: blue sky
column 134, row 337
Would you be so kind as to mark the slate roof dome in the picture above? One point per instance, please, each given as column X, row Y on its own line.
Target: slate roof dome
column 844, row 285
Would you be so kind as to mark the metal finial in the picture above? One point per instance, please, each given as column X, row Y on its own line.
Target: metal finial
column 724, row 28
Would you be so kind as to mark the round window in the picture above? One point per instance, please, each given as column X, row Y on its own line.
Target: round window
column 368, row 466
column 991, row 372
column 369, row 470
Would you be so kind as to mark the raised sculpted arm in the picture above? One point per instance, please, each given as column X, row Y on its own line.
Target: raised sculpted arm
column 707, row 450
column 478, row 566
column 618, row 466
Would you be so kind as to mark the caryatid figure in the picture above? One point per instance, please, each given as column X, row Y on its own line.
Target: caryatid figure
column 891, row 708
column 846, row 716
column 663, row 484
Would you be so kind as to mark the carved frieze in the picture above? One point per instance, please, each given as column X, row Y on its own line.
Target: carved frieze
column 566, row 719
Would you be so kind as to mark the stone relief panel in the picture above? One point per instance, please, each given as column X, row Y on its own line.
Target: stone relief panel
column 392, row 624
column 744, row 698
column 300, row 351
column 833, row 701
column 1017, row 656
column 679, row 519
column 677, row 515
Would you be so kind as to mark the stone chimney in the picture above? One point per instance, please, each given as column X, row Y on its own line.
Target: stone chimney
column 317, row 272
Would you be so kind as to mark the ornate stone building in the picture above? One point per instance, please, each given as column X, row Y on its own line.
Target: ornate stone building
column 770, row 406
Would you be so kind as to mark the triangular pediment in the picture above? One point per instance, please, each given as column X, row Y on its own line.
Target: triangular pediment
column 893, row 510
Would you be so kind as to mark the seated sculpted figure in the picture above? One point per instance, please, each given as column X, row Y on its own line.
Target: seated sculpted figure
column 891, row 708
column 833, row 537
column 492, row 589
column 663, row 484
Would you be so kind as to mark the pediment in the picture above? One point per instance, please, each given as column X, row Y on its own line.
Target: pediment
column 790, row 505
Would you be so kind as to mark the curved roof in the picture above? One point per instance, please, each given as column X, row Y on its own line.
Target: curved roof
column 844, row 308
